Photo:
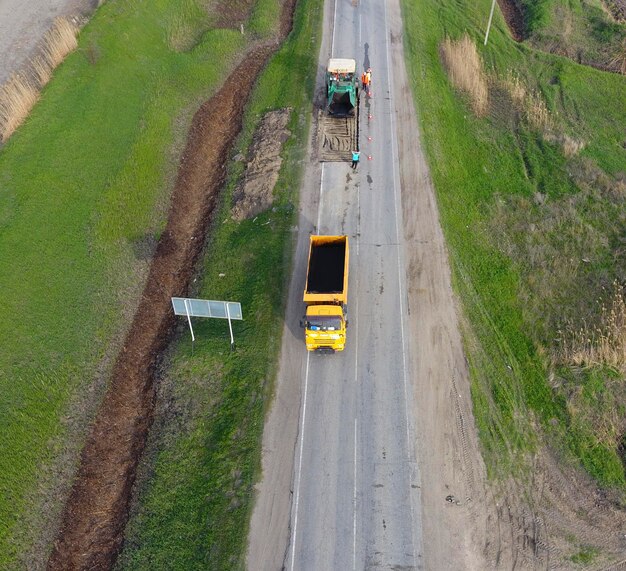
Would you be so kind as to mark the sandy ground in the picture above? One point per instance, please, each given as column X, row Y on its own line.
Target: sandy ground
column 23, row 24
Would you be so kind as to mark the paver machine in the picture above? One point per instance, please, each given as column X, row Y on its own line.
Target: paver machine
column 342, row 87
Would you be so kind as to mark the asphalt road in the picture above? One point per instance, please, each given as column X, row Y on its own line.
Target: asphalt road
column 356, row 490
column 361, row 448
column 356, row 497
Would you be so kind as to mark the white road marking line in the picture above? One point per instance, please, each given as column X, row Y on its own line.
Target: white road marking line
column 358, row 218
column 356, row 385
column 398, row 221
column 295, row 519
column 319, row 204
column 332, row 43
column 354, row 501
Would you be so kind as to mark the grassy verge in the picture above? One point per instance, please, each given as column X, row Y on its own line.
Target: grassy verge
column 583, row 30
column 84, row 187
column 203, row 458
column 531, row 200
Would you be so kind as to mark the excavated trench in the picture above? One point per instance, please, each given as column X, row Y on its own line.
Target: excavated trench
column 514, row 18
column 93, row 521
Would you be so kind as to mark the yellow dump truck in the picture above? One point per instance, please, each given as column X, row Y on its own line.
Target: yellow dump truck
column 326, row 294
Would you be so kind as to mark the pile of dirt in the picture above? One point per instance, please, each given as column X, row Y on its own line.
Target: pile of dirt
column 254, row 194
column 92, row 526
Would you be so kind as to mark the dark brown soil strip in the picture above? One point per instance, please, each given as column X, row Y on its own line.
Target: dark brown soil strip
column 96, row 513
column 514, row 17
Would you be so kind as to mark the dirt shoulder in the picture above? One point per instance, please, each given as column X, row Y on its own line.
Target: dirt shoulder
column 451, row 467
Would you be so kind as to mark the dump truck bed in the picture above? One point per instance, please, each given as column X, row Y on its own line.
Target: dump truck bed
column 327, row 274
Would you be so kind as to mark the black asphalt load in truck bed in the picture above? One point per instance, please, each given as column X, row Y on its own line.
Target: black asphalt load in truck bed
column 326, row 268
column 341, row 106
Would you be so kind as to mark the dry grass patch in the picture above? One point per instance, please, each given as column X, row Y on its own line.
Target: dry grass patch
column 618, row 62
column 570, row 145
column 528, row 102
column 59, row 41
column 17, row 97
column 537, row 113
column 186, row 28
column 19, row 94
column 180, row 34
column 466, row 72
column 532, row 106
column 601, row 344
column 516, row 88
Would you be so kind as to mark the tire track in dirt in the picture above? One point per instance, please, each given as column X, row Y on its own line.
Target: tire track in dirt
column 92, row 525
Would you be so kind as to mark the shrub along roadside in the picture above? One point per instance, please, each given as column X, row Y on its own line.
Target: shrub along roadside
column 194, row 497
column 530, row 201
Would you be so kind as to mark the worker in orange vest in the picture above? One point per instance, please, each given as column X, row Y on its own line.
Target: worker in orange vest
column 364, row 80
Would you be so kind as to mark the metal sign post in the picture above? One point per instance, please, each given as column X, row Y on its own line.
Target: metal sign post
column 493, row 5
column 193, row 337
column 230, row 326
column 208, row 308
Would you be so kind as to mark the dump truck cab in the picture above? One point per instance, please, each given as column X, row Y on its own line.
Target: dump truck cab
column 341, row 86
column 325, row 328
column 326, row 294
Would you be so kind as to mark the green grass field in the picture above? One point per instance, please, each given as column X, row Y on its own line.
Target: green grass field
column 203, row 458
column 84, row 188
column 535, row 233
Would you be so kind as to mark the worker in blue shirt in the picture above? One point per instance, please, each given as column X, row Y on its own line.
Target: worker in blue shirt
column 355, row 158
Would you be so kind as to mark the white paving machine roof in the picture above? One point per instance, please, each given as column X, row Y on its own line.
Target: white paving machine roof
column 341, row 65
